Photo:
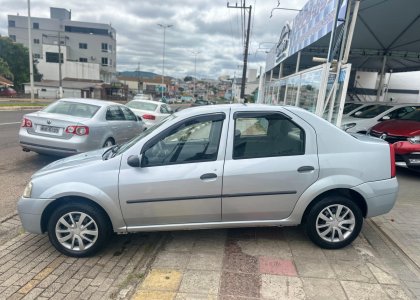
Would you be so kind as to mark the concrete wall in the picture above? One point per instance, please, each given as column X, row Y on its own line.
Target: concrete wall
column 52, row 92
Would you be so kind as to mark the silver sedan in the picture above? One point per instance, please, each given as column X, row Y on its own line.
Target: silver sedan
column 71, row 126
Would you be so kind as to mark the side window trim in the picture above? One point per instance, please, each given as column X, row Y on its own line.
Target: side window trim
column 258, row 114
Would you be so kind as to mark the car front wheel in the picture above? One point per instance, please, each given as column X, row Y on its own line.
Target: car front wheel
column 78, row 229
column 334, row 222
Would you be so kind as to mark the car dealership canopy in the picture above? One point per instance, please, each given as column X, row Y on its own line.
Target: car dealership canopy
column 386, row 34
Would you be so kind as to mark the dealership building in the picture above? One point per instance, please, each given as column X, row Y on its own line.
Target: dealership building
column 335, row 50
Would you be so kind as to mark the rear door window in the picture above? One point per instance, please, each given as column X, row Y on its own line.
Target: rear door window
column 114, row 113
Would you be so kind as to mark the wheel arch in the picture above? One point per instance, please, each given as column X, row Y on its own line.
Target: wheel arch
column 65, row 200
column 352, row 195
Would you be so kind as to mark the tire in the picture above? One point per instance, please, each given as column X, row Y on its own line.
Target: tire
column 108, row 143
column 327, row 235
column 78, row 241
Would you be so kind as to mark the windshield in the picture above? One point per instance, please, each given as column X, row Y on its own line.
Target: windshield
column 142, row 105
column 145, row 133
column 412, row 116
column 351, row 106
column 372, row 112
column 75, row 109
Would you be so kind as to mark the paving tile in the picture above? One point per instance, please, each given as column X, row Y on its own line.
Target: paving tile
column 186, row 296
column 274, row 266
column 180, row 242
column 305, row 249
column 281, row 287
column 209, row 245
column 162, row 280
column 382, row 274
column 362, row 291
column 171, row 260
column 317, row 267
column 318, row 288
column 353, row 271
column 153, row 295
column 237, row 261
column 204, row 282
column 205, row 261
column 395, row 292
column 266, row 247
column 343, row 254
column 239, row 284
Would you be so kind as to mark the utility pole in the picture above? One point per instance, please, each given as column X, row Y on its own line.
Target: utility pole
column 138, row 77
column 60, row 81
column 164, row 26
column 242, row 96
column 195, row 68
column 31, row 63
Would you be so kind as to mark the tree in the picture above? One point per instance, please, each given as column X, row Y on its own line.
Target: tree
column 5, row 70
column 188, row 78
column 16, row 57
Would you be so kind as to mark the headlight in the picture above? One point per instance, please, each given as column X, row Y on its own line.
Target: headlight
column 348, row 126
column 414, row 139
column 28, row 190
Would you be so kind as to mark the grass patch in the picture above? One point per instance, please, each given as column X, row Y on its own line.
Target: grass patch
column 23, row 104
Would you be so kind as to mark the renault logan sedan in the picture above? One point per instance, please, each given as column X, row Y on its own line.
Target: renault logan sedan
column 212, row 167
column 70, row 126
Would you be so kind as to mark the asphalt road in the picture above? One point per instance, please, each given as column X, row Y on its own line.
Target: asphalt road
column 16, row 166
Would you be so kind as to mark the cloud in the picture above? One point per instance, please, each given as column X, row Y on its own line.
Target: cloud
column 198, row 25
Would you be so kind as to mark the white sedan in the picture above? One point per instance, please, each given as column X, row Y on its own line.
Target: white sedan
column 151, row 112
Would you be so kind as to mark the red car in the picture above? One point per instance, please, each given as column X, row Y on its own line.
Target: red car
column 405, row 135
column 7, row 92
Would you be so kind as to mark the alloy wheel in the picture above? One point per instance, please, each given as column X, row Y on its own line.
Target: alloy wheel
column 335, row 223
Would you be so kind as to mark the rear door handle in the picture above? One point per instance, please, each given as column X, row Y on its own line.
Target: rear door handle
column 305, row 169
column 208, row 176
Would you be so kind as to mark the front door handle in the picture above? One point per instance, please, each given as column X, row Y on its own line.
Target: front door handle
column 208, row 176
column 305, row 169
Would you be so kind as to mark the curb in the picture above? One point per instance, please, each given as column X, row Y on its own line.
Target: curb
column 14, row 108
column 8, row 217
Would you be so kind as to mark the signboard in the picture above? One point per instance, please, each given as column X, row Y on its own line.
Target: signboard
column 314, row 22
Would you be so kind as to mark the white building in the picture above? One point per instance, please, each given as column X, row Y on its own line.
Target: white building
column 88, row 50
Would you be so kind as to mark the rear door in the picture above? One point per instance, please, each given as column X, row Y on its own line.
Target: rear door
column 133, row 126
column 271, row 159
column 117, row 124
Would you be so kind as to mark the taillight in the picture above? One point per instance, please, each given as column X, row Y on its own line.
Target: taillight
column 78, row 130
column 149, row 117
column 392, row 153
column 26, row 123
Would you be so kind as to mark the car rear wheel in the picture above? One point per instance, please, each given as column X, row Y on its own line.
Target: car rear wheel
column 78, row 229
column 334, row 222
column 108, row 143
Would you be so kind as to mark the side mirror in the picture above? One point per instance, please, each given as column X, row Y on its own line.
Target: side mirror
column 134, row 161
column 385, row 118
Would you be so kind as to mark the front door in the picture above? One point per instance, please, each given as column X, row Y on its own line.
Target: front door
column 271, row 160
column 180, row 178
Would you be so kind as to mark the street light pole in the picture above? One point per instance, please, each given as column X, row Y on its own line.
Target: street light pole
column 195, row 69
column 60, row 80
column 164, row 26
column 31, row 63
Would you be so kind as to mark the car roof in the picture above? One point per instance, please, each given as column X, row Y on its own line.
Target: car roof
column 90, row 101
column 147, row 101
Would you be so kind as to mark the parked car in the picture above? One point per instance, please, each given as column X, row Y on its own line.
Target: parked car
column 213, row 167
column 361, row 121
column 143, row 97
column 71, row 126
column 151, row 112
column 7, row 92
column 405, row 135
column 201, row 102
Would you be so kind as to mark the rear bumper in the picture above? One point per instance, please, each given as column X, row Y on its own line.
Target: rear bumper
column 53, row 146
column 380, row 195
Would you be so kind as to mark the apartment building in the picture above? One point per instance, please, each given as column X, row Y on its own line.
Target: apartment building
column 88, row 50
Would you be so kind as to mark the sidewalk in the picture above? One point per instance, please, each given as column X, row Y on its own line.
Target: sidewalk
column 269, row 263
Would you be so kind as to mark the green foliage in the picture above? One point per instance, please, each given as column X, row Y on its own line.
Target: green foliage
column 5, row 70
column 16, row 57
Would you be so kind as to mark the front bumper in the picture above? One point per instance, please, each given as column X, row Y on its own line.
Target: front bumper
column 407, row 155
column 30, row 212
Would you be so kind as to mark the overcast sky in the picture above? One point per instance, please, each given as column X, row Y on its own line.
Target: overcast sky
column 198, row 25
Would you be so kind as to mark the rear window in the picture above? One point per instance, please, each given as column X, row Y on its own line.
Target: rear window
column 75, row 109
column 142, row 105
column 372, row 112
